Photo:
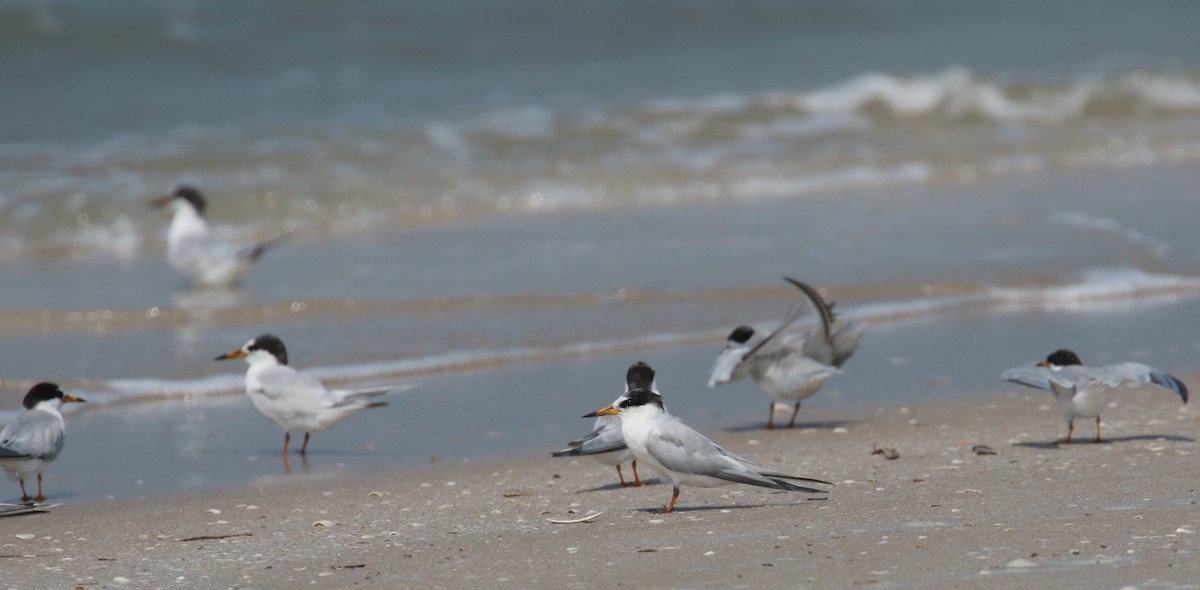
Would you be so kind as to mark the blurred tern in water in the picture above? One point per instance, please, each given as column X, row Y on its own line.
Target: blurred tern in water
column 293, row 400
column 788, row 367
column 673, row 449
column 195, row 251
column 35, row 438
column 606, row 444
column 1082, row 391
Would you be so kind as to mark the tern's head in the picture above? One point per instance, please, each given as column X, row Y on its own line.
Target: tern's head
column 1061, row 358
column 47, row 394
column 183, row 195
column 639, row 376
column 639, row 392
column 741, row 335
column 264, row 348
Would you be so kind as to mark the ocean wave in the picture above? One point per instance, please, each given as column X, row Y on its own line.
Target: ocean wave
column 871, row 132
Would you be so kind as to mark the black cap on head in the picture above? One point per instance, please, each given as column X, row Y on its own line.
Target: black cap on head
column 641, row 397
column 640, row 376
column 192, row 195
column 40, row 393
column 271, row 344
column 741, row 334
column 1063, row 358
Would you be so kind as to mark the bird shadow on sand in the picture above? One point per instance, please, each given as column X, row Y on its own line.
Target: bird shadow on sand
column 618, row 486
column 658, row 509
column 1058, row 444
column 818, row 425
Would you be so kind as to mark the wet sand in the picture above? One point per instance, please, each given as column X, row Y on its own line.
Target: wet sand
column 1036, row 514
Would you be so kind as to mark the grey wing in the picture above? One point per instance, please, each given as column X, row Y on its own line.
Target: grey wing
column 34, row 434
column 9, row 454
column 1038, row 377
column 303, row 391
column 775, row 341
column 1137, row 373
column 771, row 473
column 347, row 395
column 605, row 438
column 818, row 302
column 252, row 253
column 845, row 342
column 683, row 450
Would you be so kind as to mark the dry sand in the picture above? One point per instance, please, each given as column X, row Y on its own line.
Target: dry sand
column 1034, row 515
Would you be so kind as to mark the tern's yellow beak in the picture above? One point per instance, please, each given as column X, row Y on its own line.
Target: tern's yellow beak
column 73, row 399
column 233, row 354
column 160, row 202
column 605, row 411
column 1044, row 364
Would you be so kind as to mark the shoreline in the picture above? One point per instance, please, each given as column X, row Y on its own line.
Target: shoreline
column 938, row 516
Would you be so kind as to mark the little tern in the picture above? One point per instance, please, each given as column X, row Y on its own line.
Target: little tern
column 35, row 438
column 686, row 457
column 1082, row 391
column 293, row 400
column 788, row 367
column 193, row 249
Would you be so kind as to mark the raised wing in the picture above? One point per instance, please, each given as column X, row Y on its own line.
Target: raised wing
column 1137, row 373
column 774, row 340
column 1037, row 377
column 845, row 342
column 818, row 302
column 728, row 360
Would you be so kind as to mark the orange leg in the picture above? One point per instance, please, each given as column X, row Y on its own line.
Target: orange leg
column 637, row 481
column 620, row 475
column 304, row 447
column 792, row 424
column 671, row 506
column 287, row 440
column 771, row 418
column 1070, row 429
column 1097, row 428
column 24, row 495
column 39, row 497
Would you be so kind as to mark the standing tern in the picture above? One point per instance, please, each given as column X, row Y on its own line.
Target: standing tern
column 35, row 438
column 605, row 443
column 673, row 449
column 1082, row 391
column 193, row 249
column 293, row 400
column 788, row 367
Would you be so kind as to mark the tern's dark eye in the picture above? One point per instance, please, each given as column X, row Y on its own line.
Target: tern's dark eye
column 640, row 397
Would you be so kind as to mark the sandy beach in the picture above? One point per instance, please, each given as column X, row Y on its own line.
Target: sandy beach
column 1035, row 514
